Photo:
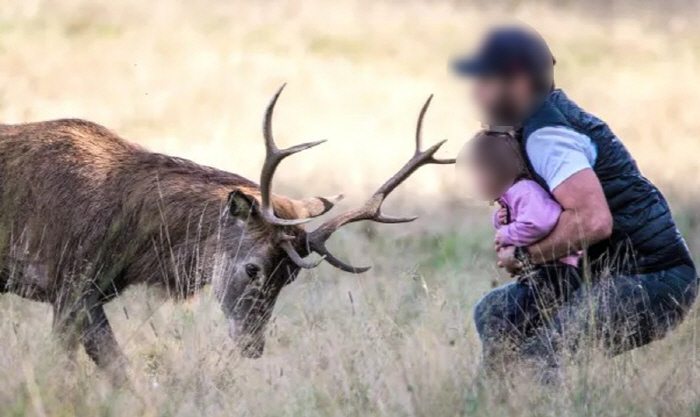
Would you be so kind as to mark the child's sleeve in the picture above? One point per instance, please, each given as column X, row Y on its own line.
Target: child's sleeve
column 536, row 215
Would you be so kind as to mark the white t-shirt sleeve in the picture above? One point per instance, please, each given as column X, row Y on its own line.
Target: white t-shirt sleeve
column 557, row 153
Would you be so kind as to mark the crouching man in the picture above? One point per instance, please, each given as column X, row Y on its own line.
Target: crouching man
column 642, row 280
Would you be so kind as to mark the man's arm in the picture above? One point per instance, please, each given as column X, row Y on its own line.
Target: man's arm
column 564, row 158
column 585, row 219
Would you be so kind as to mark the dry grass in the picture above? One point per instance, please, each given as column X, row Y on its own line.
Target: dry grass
column 191, row 78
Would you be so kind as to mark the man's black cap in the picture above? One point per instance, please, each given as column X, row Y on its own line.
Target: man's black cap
column 508, row 50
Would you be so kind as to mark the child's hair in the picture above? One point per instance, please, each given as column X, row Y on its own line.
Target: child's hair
column 499, row 153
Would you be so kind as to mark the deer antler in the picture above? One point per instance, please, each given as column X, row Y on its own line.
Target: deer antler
column 371, row 210
column 273, row 156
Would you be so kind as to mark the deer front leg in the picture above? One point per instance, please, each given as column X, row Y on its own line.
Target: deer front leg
column 99, row 341
column 86, row 322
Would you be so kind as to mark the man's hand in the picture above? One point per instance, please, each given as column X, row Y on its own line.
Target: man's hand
column 506, row 260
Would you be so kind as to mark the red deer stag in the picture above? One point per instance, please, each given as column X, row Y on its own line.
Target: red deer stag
column 85, row 214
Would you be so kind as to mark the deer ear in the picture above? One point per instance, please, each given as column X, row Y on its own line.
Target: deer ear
column 241, row 204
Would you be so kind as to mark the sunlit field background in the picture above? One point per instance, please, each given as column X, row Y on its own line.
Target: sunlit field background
column 191, row 78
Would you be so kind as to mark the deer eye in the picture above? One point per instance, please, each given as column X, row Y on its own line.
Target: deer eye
column 252, row 270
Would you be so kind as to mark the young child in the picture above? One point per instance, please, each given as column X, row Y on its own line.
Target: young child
column 527, row 211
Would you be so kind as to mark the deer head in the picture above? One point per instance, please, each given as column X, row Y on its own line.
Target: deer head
column 264, row 262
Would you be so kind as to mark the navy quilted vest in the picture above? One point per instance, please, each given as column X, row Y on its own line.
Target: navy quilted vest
column 644, row 237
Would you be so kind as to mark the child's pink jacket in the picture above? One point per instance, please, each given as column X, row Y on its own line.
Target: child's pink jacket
column 532, row 215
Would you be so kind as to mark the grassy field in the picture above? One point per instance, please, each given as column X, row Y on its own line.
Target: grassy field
column 192, row 78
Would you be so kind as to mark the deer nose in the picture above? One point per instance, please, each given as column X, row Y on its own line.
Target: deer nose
column 252, row 270
column 254, row 350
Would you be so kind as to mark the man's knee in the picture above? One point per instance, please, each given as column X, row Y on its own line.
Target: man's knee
column 494, row 312
column 480, row 314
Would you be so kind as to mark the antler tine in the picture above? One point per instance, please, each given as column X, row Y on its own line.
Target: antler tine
column 419, row 125
column 273, row 156
column 419, row 136
column 331, row 259
column 297, row 259
column 371, row 210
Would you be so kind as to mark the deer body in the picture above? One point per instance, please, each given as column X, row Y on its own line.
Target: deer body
column 74, row 195
column 84, row 214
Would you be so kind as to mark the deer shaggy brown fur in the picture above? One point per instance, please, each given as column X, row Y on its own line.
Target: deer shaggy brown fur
column 84, row 214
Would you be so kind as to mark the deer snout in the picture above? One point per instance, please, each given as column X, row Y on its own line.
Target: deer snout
column 250, row 345
column 254, row 349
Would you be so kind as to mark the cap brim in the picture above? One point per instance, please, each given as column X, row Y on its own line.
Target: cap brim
column 470, row 67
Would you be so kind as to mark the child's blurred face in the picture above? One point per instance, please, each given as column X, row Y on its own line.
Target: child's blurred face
column 491, row 167
column 488, row 184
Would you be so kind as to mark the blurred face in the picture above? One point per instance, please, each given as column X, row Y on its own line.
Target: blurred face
column 490, row 164
column 487, row 184
column 503, row 101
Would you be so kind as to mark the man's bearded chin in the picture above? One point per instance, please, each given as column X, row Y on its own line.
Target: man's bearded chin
column 505, row 112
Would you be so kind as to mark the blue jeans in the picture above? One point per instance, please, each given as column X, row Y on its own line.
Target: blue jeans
column 555, row 311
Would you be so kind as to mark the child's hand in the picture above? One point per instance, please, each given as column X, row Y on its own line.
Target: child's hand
column 498, row 241
column 502, row 215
